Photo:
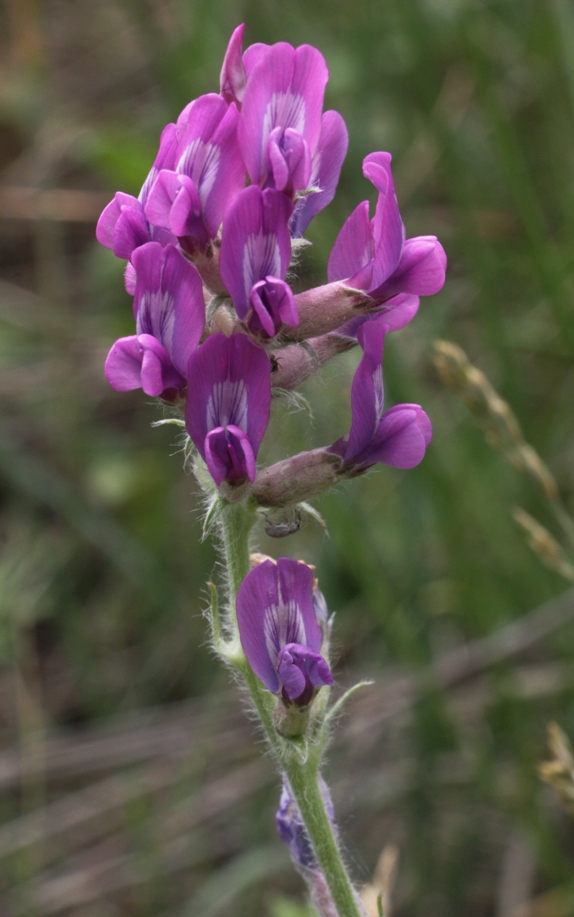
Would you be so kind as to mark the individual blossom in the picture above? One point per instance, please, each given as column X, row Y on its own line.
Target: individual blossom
column 396, row 437
column 279, row 631
column 228, row 405
column 254, row 257
column 190, row 198
column 170, row 318
column 372, row 255
column 281, row 116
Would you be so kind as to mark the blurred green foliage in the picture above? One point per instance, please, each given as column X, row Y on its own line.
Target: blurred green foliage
column 102, row 572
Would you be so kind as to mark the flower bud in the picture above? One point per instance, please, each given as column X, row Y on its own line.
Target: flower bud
column 297, row 478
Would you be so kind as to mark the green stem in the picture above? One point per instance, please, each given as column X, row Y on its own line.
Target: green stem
column 305, row 787
column 236, row 522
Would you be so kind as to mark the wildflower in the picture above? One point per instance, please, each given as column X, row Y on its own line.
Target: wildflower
column 372, row 255
column 396, row 437
column 190, row 198
column 255, row 254
column 228, row 405
column 170, row 318
column 281, row 116
column 279, row 631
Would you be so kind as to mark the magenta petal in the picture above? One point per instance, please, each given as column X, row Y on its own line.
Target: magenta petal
column 185, row 215
column 310, row 75
column 232, row 80
column 285, row 89
column 296, row 586
column 229, row 384
column 401, row 439
column 130, row 279
column 352, row 253
column 421, row 269
column 399, row 311
column 252, row 55
column 182, row 316
column 141, row 361
column 325, row 171
column 169, row 301
column 273, row 304
column 258, row 593
column 131, row 231
column 209, row 155
column 275, row 608
column 110, row 215
column 395, row 314
column 124, row 363
column 301, row 672
column 165, row 159
column 388, row 229
column 255, row 242
column 229, row 456
column 288, row 161
column 367, row 391
column 223, row 173
column 161, row 196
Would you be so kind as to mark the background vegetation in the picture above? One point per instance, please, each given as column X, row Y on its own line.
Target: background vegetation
column 131, row 780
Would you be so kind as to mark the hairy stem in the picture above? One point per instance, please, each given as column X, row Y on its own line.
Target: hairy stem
column 302, row 771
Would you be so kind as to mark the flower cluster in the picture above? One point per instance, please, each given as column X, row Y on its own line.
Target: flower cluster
column 236, row 181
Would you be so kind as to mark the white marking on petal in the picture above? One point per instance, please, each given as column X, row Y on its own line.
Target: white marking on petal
column 228, row 404
column 261, row 257
column 147, row 185
column 156, row 316
column 282, row 624
column 200, row 162
column 379, row 392
column 284, row 109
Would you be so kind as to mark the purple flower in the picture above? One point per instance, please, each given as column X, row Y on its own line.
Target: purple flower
column 396, row 437
column 190, row 197
column 170, row 318
column 281, row 115
column 123, row 226
column 372, row 255
column 254, row 257
column 279, row 631
column 325, row 170
column 228, row 405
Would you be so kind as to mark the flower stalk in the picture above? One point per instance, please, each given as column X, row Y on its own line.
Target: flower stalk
column 299, row 764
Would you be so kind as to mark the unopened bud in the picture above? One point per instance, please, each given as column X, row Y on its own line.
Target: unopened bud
column 326, row 308
column 298, row 362
column 297, row 478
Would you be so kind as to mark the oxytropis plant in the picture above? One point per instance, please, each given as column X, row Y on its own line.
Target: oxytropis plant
column 218, row 329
